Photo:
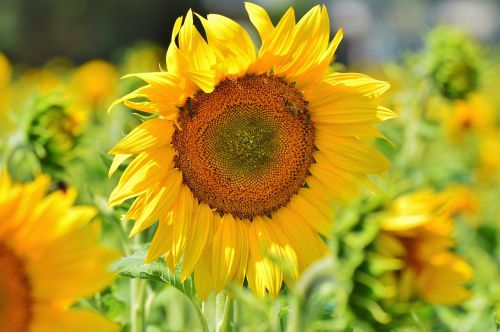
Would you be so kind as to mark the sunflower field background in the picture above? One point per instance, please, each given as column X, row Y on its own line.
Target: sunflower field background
column 409, row 241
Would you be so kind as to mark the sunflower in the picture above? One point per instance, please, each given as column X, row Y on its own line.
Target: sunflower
column 49, row 258
column 94, row 83
column 248, row 151
column 5, row 75
column 473, row 115
column 417, row 229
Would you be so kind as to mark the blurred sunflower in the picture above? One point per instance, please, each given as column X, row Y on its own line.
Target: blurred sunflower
column 38, row 81
column 94, row 83
column 472, row 115
column 417, row 229
column 248, row 152
column 49, row 258
column 5, row 75
column 489, row 158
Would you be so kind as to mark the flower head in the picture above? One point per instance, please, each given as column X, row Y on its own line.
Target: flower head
column 94, row 83
column 417, row 229
column 473, row 115
column 249, row 150
column 49, row 258
column 5, row 75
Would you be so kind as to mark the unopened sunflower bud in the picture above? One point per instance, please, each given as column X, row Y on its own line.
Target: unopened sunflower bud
column 452, row 62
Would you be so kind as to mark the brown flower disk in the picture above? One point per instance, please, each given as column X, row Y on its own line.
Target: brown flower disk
column 245, row 148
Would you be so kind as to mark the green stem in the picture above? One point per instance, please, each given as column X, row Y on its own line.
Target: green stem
column 137, row 299
column 137, row 302
column 294, row 323
column 223, row 311
column 199, row 314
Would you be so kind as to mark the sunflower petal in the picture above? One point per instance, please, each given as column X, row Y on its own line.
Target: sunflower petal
column 150, row 134
column 198, row 234
column 224, row 252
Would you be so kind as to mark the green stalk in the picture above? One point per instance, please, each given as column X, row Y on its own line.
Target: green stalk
column 223, row 312
column 294, row 322
column 199, row 314
column 137, row 299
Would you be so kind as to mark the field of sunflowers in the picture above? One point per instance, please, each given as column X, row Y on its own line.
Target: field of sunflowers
column 239, row 178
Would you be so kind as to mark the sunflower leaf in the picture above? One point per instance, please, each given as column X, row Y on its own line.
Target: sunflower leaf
column 133, row 267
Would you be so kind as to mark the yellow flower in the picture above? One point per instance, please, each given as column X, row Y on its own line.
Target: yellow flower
column 461, row 199
column 5, row 70
column 417, row 228
column 249, row 151
column 94, row 82
column 142, row 58
column 489, row 158
column 49, row 258
column 472, row 115
column 5, row 74
column 37, row 80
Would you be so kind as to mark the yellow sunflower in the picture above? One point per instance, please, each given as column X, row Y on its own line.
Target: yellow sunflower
column 248, row 151
column 472, row 115
column 417, row 229
column 94, row 83
column 49, row 258
column 5, row 74
column 489, row 158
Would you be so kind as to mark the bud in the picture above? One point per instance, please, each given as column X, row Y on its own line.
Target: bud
column 53, row 133
column 452, row 62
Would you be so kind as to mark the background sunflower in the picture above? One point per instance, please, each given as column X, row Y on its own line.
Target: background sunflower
column 49, row 258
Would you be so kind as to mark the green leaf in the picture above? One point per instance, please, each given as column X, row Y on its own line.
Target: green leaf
column 133, row 267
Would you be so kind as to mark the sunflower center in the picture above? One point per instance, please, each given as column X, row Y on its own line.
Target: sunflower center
column 245, row 142
column 245, row 148
column 15, row 300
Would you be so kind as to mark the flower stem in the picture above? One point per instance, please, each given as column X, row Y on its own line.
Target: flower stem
column 223, row 312
column 137, row 301
column 137, row 298
column 199, row 314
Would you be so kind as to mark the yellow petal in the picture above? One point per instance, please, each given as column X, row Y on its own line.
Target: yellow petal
column 442, row 282
column 175, row 62
column 162, row 240
column 225, row 253
column 145, row 171
column 263, row 274
column 204, row 79
column 307, row 243
column 230, row 42
column 198, row 233
column 182, row 213
column 350, row 154
column 203, row 279
column 276, row 44
column 311, row 74
column 260, row 19
column 152, row 133
column 317, row 219
column 240, row 273
column 117, row 161
column 159, row 201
